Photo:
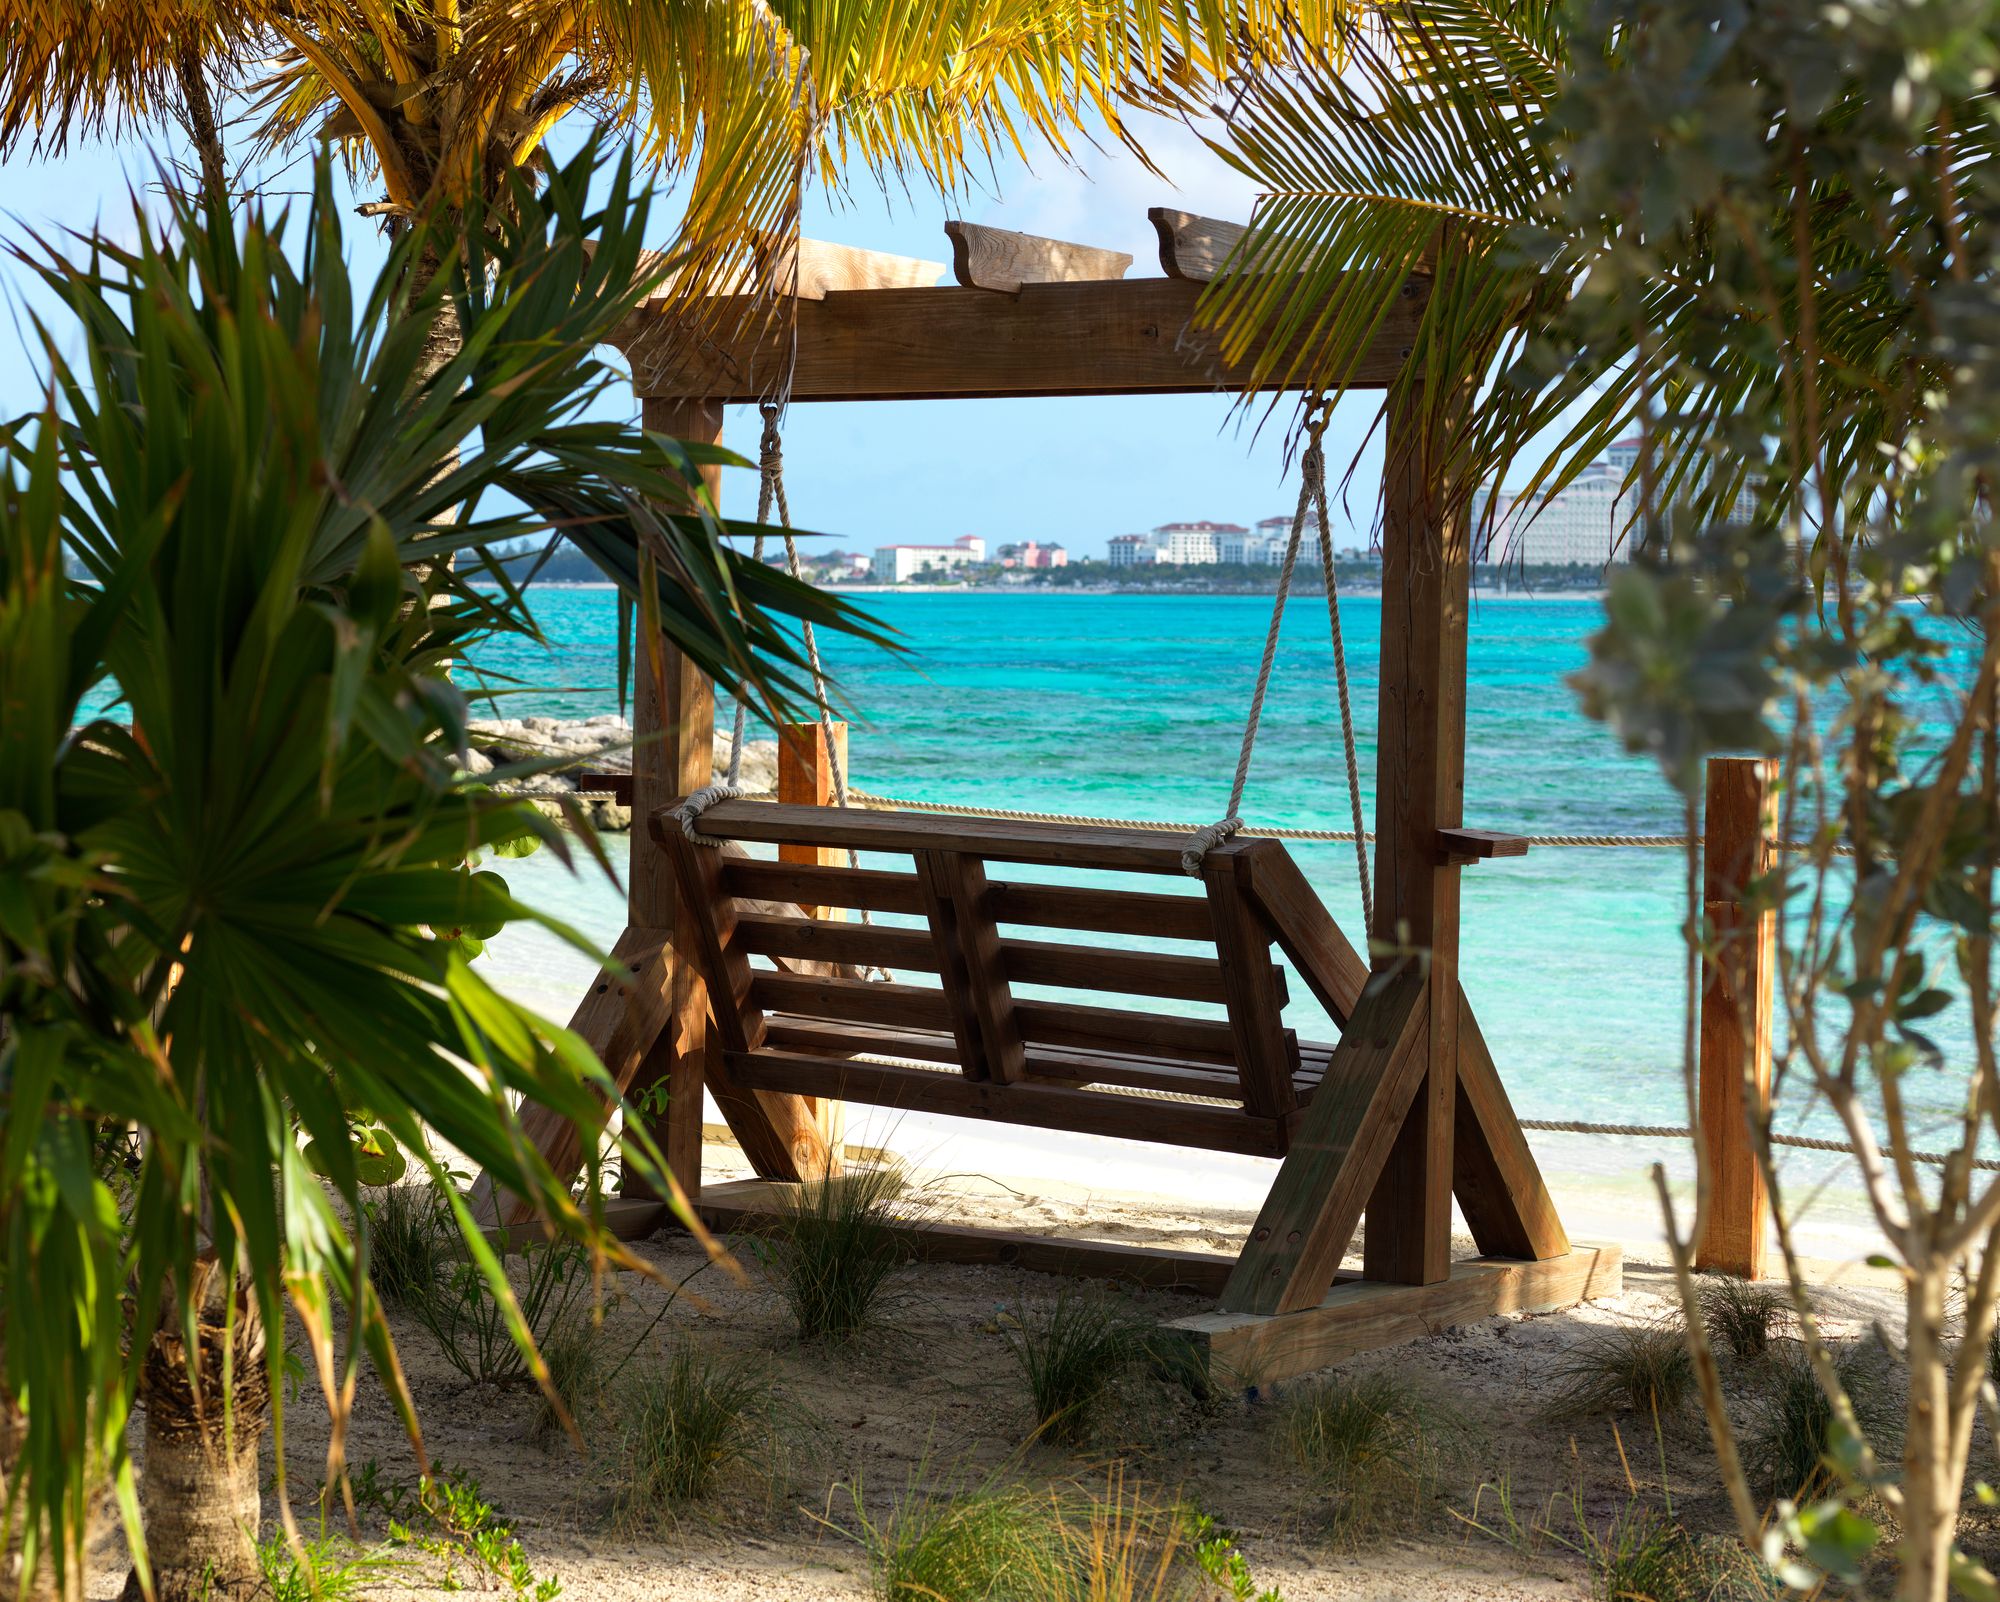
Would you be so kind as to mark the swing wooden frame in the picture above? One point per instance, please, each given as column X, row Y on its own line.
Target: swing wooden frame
column 1403, row 1114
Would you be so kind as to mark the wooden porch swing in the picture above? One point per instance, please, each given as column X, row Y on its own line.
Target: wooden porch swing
column 1399, row 1116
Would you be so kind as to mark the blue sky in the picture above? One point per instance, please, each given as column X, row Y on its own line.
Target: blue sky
column 1076, row 471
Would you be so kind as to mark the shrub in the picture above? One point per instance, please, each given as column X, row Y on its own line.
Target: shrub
column 1787, row 1445
column 411, row 1239
column 460, row 1312
column 1378, row 1449
column 1073, row 1351
column 834, row 1246
column 1641, row 1367
column 1741, row 1316
column 692, row 1423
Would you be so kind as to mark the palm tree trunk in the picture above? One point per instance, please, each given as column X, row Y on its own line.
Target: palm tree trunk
column 198, row 117
column 199, row 1493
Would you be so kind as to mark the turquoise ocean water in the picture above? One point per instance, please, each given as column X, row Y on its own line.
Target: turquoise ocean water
column 1133, row 706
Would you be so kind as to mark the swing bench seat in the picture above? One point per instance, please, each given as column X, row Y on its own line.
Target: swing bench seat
column 959, row 1029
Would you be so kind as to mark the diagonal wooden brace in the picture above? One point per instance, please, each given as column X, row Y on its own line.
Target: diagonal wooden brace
column 1337, row 1153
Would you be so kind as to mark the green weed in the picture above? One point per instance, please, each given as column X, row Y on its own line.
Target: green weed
column 692, row 1423
column 1741, row 1317
column 1378, row 1449
column 1073, row 1351
column 1787, row 1445
column 1643, row 1368
column 411, row 1240
column 462, row 1315
column 835, row 1244
column 471, row 1541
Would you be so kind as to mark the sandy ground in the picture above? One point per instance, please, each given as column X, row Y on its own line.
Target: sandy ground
column 932, row 1398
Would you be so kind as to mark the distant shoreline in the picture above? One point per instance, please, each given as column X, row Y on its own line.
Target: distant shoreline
column 1366, row 592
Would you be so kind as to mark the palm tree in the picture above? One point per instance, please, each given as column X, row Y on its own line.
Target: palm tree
column 246, row 931
column 748, row 100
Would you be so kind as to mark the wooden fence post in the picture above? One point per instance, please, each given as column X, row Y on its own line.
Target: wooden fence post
column 1739, row 824
column 805, row 776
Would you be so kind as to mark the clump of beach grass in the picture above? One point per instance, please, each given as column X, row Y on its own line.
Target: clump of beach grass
column 1079, row 1541
column 834, row 1245
column 1742, row 1316
column 1641, row 1368
column 993, row 1542
column 1648, row 1556
column 1377, row 1448
column 1794, row 1431
column 411, row 1241
column 1073, row 1351
column 693, row 1423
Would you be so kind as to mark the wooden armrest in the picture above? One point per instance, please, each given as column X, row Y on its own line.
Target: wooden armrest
column 1463, row 847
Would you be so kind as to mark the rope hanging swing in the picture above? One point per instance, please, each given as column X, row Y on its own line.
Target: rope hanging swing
column 771, row 493
column 1312, row 498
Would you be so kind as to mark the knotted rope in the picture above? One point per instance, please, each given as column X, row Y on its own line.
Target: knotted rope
column 689, row 812
column 1312, row 498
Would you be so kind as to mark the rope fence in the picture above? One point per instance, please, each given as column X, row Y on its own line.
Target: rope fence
column 1568, row 1126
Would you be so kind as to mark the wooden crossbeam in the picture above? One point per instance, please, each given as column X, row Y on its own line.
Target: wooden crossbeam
column 1101, row 337
column 994, row 258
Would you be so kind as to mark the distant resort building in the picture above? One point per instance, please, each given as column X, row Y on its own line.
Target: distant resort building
column 1132, row 550
column 1033, row 554
column 1193, row 544
column 898, row 564
column 1585, row 524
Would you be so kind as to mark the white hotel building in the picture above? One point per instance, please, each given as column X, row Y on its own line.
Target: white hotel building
column 898, row 564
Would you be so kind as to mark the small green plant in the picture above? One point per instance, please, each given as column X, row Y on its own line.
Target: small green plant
column 410, row 1240
column 1643, row 1368
column 1073, row 1351
column 471, row 1541
column 462, row 1315
column 691, row 1423
column 1377, row 1448
column 322, row 1570
column 1222, row 1562
column 834, row 1246
column 1741, row 1316
column 1786, row 1446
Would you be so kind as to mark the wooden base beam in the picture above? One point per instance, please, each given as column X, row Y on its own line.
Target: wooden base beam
column 750, row 1206
column 1365, row 1315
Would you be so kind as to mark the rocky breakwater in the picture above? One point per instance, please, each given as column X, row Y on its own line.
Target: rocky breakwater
column 576, row 746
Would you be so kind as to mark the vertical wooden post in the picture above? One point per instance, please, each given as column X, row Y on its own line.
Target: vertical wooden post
column 1737, row 830
column 806, row 765
column 673, row 729
column 1420, row 789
